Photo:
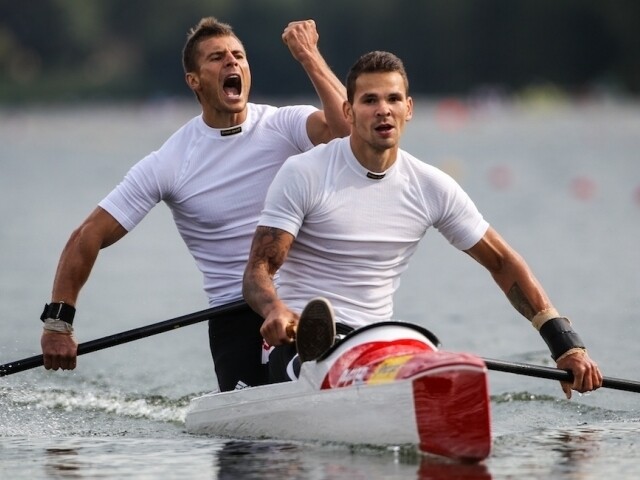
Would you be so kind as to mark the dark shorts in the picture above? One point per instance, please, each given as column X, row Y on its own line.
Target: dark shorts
column 279, row 359
column 236, row 348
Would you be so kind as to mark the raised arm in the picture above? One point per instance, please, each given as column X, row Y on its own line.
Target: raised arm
column 515, row 278
column 99, row 230
column 302, row 39
column 269, row 249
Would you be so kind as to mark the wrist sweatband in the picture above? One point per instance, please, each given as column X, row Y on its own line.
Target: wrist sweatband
column 58, row 311
column 571, row 351
column 544, row 316
column 560, row 337
column 58, row 326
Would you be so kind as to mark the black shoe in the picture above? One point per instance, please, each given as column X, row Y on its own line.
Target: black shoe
column 316, row 329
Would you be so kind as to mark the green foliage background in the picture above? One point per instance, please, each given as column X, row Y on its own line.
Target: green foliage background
column 76, row 50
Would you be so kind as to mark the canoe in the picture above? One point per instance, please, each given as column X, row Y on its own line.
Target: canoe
column 386, row 384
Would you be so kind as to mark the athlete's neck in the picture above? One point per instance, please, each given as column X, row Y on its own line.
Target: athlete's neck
column 217, row 119
column 374, row 159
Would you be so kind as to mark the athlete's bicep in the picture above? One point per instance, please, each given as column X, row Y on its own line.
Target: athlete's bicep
column 269, row 248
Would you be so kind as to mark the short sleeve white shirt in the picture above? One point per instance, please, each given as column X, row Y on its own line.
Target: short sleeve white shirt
column 354, row 234
column 214, row 183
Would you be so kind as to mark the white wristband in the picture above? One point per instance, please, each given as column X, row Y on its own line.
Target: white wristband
column 544, row 316
column 58, row 326
column 572, row 351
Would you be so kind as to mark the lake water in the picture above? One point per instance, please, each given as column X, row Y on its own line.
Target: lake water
column 561, row 182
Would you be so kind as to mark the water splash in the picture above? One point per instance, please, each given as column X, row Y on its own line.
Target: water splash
column 29, row 402
column 508, row 397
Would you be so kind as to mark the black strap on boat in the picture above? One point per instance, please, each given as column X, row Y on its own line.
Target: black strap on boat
column 342, row 329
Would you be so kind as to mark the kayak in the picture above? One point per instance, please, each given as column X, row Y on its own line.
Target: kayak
column 387, row 384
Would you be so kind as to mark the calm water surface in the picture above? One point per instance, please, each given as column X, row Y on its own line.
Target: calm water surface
column 560, row 182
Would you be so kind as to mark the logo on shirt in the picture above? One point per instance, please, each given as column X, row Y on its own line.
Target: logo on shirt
column 230, row 131
column 376, row 176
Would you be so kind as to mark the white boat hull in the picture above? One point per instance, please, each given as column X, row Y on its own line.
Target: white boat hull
column 385, row 386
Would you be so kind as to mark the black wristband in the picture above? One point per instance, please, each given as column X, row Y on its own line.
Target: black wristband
column 58, row 311
column 560, row 337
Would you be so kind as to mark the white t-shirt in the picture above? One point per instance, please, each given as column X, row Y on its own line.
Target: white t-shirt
column 215, row 184
column 354, row 234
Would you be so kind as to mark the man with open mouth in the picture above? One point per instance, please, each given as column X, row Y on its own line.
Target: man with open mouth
column 213, row 173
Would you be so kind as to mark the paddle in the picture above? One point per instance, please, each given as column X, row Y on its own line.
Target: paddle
column 129, row 335
column 190, row 319
column 556, row 374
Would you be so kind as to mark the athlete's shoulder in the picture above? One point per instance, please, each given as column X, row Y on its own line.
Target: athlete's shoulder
column 422, row 166
column 261, row 109
column 191, row 130
column 279, row 114
column 326, row 151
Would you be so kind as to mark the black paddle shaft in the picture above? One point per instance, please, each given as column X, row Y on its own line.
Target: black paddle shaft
column 556, row 374
column 190, row 319
column 129, row 335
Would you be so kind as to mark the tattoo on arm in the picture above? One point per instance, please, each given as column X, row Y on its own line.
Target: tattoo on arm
column 520, row 302
column 271, row 246
column 268, row 251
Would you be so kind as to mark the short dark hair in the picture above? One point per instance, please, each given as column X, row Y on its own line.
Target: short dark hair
column 207, row 27
column 374, row 62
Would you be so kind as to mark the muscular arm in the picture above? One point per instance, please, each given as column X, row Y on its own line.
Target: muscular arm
column 511, row 273
column 269, row 250
column 302, row 39
column 525, row 293
column 98, row 231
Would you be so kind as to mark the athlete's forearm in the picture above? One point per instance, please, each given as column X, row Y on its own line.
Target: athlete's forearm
column 259, row 290
column 522, row 288
column 511, row 273
column 269, row 248
column 331, row 92
column 302, row 39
